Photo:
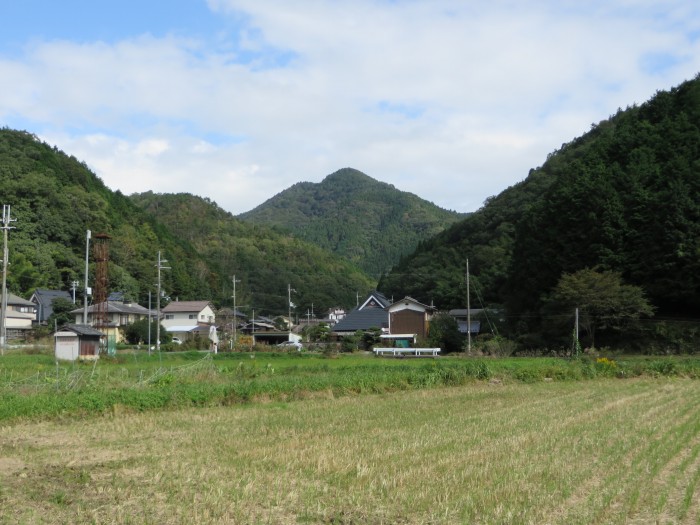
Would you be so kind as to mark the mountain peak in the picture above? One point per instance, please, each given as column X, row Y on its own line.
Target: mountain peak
column 369, row 222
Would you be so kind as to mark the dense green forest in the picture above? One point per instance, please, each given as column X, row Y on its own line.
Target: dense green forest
column 265, row 261
column 55, row 199
column 623, row 198
column 371, row 223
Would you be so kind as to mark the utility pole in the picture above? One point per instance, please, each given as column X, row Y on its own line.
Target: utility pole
column 149, row 322
column 87, row 290
column 73, row 287
column 576, row 343
column 469, row 316
column 235, row 317
column 289, row 299
column 160, row 267
column 6, row 220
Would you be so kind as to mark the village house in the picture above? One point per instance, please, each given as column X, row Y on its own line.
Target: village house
column 409, row 316
column 43, row 299
column 188, row 319
column 473, row 326
column 19, row 316
column 371, row 314
column 117, row 316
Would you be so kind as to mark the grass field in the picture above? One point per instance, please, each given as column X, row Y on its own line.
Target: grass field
column 497, row 450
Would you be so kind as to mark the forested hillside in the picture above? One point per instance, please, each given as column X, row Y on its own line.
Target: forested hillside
column 265, row 261
column 55, row 199
column 624, row 197
column 371, row 223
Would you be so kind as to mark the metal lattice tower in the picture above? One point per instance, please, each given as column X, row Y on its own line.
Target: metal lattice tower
column 100, row 293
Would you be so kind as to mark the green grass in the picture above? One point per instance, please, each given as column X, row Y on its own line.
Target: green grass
column 559, row 452
column 35, row 386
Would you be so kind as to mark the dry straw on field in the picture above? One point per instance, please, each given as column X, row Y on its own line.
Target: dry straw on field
column 580, row 452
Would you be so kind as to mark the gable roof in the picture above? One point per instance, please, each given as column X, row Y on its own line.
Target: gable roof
column 81, row 329
column 117, row 307
column 44, row 300
column 186, row 306
column 375, row 300
column 408, row 299
column 46, row 297
column 16, row 300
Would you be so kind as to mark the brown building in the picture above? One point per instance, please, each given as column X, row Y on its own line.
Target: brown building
column 408, row 316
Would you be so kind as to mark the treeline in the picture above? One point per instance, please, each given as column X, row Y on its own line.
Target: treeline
column 623, row 198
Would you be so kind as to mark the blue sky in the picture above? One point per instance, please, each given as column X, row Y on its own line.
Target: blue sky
column 236, row 100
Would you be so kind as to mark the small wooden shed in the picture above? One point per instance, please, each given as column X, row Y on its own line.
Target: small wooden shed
column 77, row 341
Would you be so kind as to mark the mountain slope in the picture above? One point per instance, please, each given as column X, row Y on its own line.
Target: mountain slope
column 371, row 223
column 265, row 261
column 625, row 197
column 56, row 199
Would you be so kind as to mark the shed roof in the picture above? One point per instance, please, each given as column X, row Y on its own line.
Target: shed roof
column 81, row 329
column 189, row 328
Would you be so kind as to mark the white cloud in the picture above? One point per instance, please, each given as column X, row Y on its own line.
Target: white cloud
column 451, row 100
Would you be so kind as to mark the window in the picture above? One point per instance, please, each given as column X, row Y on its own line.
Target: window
column 193, row 316
column 169, row 316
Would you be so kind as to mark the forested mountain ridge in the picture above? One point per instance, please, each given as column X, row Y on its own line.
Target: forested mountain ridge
column 265, row 261
column 55, row 199
column 623, row 197
column 371, row 223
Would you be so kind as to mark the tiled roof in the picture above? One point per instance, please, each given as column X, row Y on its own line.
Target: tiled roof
column 186, row 306
column 116, row 307
column 44, row 299
column 16, row 300
column 363, row 320
column 379, row 298
column 81, row 329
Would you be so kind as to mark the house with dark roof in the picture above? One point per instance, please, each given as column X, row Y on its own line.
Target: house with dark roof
column 474, row 324
column 372, row 313
column 43, row 299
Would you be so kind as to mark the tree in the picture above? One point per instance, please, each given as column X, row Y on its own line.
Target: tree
column 61, row 312
column 137, row 332
column 318, row 333
column 602, row 299
column 444, row 333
